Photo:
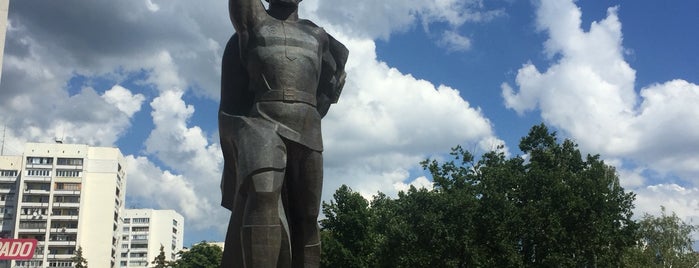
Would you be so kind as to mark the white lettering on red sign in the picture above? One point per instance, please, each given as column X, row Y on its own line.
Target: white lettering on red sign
column 17, row 249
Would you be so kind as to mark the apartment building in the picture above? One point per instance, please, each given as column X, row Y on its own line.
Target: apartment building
column 145, row 231
column 66, row 196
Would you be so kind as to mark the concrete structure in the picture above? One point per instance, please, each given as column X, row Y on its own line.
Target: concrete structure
column 66, row 196
column 144, row 231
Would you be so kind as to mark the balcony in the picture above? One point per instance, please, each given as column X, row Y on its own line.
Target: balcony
column 33, row 217
column 41, row 166
column 31, row 230
column 7, row 190
column 66, row 192
column 64, row 230
column 64, row 217
column 62, row 243
column 37, row 179
column 34, row 204
column 36, row 191
column 60, row 257
column 8, row 179
column 65, row 205
column 69, row 167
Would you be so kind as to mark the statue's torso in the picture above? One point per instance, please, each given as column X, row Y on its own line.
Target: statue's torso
column 287, row 56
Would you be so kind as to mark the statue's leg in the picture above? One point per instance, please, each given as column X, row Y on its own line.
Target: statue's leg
column 305, row 185
column 233, row 254
column 261, row 233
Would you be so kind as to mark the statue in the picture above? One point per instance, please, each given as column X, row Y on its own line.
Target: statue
column 280, row 74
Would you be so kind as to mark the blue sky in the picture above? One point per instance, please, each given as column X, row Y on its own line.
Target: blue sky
column 618, row 77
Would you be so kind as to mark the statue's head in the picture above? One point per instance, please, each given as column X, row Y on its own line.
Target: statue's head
column 285, row 2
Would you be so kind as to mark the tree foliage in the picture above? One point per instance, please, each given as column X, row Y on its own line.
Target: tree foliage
column 203, row 255
column 160, row 261
column 664, row 241
column 552, row 208
column 78, row 260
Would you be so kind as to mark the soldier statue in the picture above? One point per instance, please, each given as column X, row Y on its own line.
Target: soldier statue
column 280, row 74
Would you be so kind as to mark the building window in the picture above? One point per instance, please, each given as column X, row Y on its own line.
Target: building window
column 40, row 160
column 70, row 161
column 29, row 263
column 127, row 220
column 139, row 229
column 68, row 173
column 6, row 210
column 8, row 173
column 7, row 197
column 174, row 222
column 141, row 220
column 6, row 186
column 137, row 246
column 66, row 199
column 139, row 237
column 67, row 186
column 39, row 172
column 64, row 224
column 60, row 264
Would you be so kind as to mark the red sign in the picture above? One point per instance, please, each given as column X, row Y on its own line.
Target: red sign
column 17, row 249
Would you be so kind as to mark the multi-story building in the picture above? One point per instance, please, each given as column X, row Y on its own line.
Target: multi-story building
column 145, row 231
column 65, row 196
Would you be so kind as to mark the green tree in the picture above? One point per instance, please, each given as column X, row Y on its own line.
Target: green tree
column 346, row 230
column 552, row 208
column 201, row 255
column 664, row 241
column 78, row 260
column 160, row 260
column 573, row 210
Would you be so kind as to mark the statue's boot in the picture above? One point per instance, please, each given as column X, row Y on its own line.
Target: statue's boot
column 261, row 245
column 311, row 254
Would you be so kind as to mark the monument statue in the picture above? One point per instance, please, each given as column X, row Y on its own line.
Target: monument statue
column 280, row 74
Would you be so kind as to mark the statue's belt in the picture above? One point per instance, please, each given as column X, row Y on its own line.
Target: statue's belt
column 287, row 95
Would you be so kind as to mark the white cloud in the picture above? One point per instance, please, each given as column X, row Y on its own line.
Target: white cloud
column 588, row 93
column 150, row 186
column 186, row 150
column 683, row 201
column 419, row 183
column 367, row 19
column 153, row 7
column 124, row 100
column 453, row 41
column 386, row 122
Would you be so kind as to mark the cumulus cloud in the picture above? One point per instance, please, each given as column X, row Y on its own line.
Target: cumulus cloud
column 588, row 93
column 387, row 121
column 150, row 186
column 99, row 38
column 367, row 19
column 127, row 102
column 590, row 89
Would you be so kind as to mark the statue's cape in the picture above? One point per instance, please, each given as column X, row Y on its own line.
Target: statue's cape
column 237, row 100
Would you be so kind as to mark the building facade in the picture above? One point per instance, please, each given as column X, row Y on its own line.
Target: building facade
column 65, row 196
column 145, row 231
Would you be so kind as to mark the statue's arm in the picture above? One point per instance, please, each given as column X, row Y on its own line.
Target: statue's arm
column 332, row 78
column 244, row 14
